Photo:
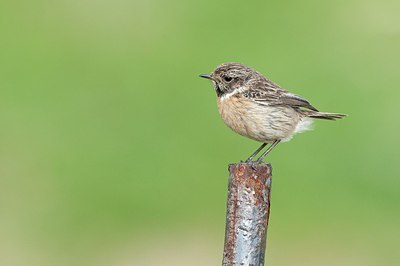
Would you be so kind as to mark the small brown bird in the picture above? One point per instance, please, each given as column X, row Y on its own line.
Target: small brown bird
column 259, row 109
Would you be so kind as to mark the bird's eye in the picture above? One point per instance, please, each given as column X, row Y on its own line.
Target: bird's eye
column 227, row 78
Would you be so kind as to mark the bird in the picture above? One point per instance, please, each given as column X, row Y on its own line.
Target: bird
column 255, row 107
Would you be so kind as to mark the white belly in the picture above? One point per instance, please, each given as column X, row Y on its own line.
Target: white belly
column 260, row 122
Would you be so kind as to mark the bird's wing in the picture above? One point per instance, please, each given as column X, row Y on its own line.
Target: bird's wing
column 296, row 101
column 268, row 93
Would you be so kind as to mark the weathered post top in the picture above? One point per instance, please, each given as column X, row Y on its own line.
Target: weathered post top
column 249, row 192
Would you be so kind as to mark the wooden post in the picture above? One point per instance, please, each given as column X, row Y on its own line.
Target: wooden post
column 247, row 214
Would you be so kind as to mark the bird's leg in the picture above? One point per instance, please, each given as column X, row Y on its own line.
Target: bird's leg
column 256, row 152
column 259, row 160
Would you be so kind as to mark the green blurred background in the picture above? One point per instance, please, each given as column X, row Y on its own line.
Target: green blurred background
column 113, row 153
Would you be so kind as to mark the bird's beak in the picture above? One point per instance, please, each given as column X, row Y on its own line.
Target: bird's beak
column 206, row 76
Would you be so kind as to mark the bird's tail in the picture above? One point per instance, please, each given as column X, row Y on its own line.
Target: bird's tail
column 327, row 116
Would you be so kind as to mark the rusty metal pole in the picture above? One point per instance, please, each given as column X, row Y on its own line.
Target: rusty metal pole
column 247, row 214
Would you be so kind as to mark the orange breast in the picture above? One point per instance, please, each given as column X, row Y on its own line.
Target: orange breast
column 259, row 122
column 234, row 112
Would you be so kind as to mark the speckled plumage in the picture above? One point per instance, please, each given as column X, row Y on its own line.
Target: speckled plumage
column 257, row 108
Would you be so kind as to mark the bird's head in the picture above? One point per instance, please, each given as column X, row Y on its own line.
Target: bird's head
column 229, row 76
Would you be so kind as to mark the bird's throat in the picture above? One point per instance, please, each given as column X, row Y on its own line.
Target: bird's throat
column 218, row 91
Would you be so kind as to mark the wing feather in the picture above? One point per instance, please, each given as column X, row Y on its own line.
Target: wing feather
column 268, row 93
